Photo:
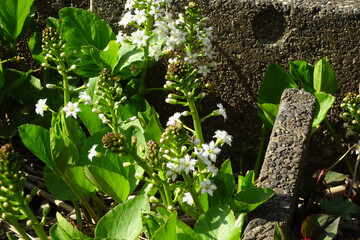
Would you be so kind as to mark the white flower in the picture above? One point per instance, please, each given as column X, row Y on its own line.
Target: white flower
column 93, row 152
column 212, row 169
column 41, row 106
column 349, row 132
column 190, row 57
column 120, row 37
column 128, row 17
column 173, row 119
column 221, row 111
column 210, row 151
column 139, row 38
column 156, row 12
column 140, row 16
column 172, row 170
column 84, row 97
column 103, row 118
column 204, row 70
column 223, row 136
column 71, row 109
column 155, row 51
column 187, row 163
column 207, row 187
column 188, row 199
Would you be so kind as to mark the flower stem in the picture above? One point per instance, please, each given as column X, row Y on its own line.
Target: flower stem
column 68, row 180
column 66, row 85
column 14, row 222
column 196, row 120
column 264, row 134
column 193, row 193
column 78, row 215
column 25, row 209
column 338, row 145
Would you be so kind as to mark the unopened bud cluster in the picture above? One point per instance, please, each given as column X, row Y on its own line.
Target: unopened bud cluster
column 11, row 180
column 118, row 143
column 174, row 138
column 54, row 47
column 153, row 155
column 351, row 114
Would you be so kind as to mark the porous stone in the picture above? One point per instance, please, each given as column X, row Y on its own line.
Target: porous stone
column 295, row 106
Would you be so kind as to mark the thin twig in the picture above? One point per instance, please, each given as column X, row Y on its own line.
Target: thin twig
column 50, row 198
column 348, row 195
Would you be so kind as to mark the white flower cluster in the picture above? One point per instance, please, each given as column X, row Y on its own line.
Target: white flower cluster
column 142, row 14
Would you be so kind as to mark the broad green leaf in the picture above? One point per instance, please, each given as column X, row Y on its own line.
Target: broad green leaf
column 13, row 80
column 110, row 54
column 35, row 47
column 60, row 153
column 331, row 177
column 302, row 72
column 226, row 167
column 68, row 228
column 268, row 113
column 324, row 77
column 153, row 130
column 184, row 232
column 110, row 161
column 275, row 81
column 130, row 61
column 57, row 233
column 247, row 181
column 57, row 187
column 323, row 104
column 14, row 16
column 94, row 54
column 78, row 32
column 320, row 227
column 71, row 128
column 225, row 184
column 250, row 198
column 124, row 221
column 82, row 184
column 217, row 223
column 168, row 230
column 37, row 140
column 28, row 93
column 111, row 183
column 338, row 206
column 91, row 120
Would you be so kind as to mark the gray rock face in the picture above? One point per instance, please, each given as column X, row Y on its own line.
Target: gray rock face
column 283, row 163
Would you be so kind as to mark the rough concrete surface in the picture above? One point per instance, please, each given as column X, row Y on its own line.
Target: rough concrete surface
column 283, row 163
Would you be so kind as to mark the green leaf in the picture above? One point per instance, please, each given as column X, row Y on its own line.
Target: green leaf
column 168, row 230
column 57, row 233
column 124, row 221
column 68, row 228
column 247, row 181
column 13, row 79
column 37, row 140
column 268, row 113
column 110, row 54
column 302, row 72
column 320, row 227
column 91, row 120
column 225, row 184
column 72, row 130
column 13, row 18
column 323, row 104
column 111, row 183
column 184, row 232
column 78, row 32
column 217, row 223
column 81, row 182
column 226, row 167
column 250, row 198
column 35, row 47
column 331, row 177
column 338, row 206
column 153, row 130
column 275, row 81
column 60, row 153
column 28, row 93
column 57, row 187
column 130, row 61
column 324, row 77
